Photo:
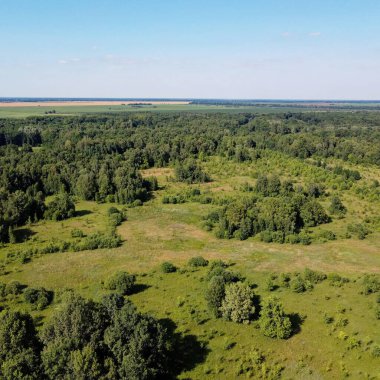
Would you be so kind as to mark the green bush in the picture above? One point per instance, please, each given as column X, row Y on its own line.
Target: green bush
column 168, row 267
column 375, row 352
column 336, row 280
column 371, row 284
column 40, row 298
column 198, row 261
column 77, row 233
column 238, row 305
column 121, row 282
column 358, row 229
column 215, row 293
column 300, row 285
column 313, row 277
column 273, row 321
column 62, row 207
column 13, row 288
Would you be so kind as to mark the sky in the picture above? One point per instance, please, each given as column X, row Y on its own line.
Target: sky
column 242, row 49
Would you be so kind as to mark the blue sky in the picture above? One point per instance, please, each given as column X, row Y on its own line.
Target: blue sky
column 288, row 49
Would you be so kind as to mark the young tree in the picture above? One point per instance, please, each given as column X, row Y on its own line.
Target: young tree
column 273, row 320
column 215, row 293
column 237, row 305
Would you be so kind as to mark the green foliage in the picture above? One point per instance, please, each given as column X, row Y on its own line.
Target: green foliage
column 273, row 321
column 336, row 280
column 238, row 306
column 121, row 282
column 358, row 229
column 215, row 293
column 86, row 340
column 190, row 172
column 40, row 298
column 371, row 284
column 62, row 207
column 198, row 261
column 19, row 347
column 13, row 288
column 167, row 267
column 337, row 207
column 300, row 285
column 77, row 233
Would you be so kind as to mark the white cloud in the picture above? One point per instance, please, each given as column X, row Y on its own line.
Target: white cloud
column 286, row 34
column 315, row 34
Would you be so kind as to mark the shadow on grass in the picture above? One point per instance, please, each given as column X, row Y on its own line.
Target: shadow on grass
column 187, row 350
column 82, row 212
column 297, row 321
column 138, row 288
column 23, row 234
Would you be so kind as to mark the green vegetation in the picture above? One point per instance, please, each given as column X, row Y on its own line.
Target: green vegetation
column 190, row 245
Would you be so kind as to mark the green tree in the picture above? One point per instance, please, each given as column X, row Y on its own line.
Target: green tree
column 238, row 306
column 273, row 320
column 19, row 347
column 215, row 293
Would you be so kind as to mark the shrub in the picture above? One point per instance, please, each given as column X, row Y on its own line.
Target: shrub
column 358, row 229
column 371, row 284
column 375, row 352
column 215, row 293
column 336, row 280
column 38, row 297
column 284, row 280
column 237, row 305
column 273, row 321
column 337, row 207
column 313, row 277
column 121, row 282
column 13, row 288
column 292, row 239
column 328, row 235
column 304, row 238
column 300, row 285
column 198, row 261
column 168, row 267
column 77, row 233
column 98, row 240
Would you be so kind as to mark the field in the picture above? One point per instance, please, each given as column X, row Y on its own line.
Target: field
column 22, row 110
column 218, row 349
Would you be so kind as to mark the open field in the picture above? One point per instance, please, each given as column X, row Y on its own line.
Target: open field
column 26, row 109
column 157, row 232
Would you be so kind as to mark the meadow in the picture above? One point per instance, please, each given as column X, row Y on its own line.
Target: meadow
column 335, row 328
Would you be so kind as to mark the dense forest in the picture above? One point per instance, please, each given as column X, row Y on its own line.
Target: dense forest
column 99, row 157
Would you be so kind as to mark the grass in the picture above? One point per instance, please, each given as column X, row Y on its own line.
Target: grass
column 158, row 232
column 26, row 111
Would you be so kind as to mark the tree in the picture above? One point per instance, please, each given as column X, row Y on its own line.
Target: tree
column 273, row 320
column 19, row 347
column 337, row 207
column 215, row 293
column 138, row 343
column 313, row 214
column 62, row 207
column 237, row 305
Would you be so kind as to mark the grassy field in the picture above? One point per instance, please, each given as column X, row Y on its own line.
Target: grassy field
column 22, row 112
column 157, row 232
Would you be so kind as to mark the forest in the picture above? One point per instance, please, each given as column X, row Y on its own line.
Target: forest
column 150, row 245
